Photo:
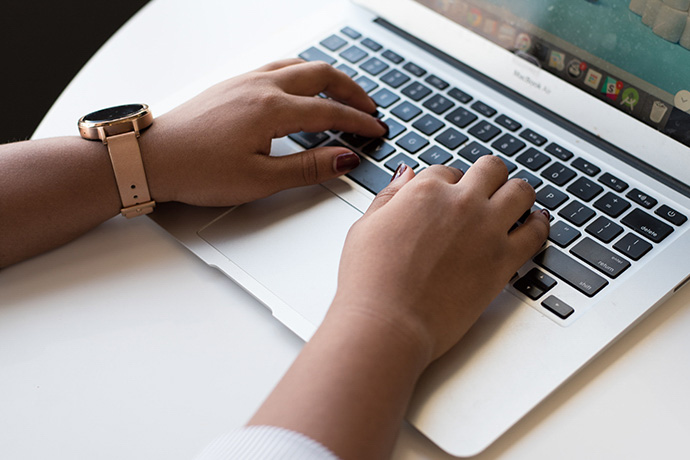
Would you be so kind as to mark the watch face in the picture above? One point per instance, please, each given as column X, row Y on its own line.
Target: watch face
column 113, row 113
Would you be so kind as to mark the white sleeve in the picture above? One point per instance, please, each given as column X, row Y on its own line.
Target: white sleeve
column 265, row 443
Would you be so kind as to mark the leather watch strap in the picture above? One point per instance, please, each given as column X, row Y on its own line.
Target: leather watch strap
column 130, row 176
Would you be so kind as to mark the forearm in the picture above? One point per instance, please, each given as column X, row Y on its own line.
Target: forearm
column 349, row 387
column 52, row 191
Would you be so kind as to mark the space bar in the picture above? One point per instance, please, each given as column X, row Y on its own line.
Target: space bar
column 572, row 272
column 370, row 176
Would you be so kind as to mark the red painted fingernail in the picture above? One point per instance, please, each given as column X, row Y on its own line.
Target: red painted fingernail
column 346, row 162
column 384, row 126
column 400, row 170
column 546, row 213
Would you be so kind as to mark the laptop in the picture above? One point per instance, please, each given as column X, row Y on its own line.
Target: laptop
column 588, row 101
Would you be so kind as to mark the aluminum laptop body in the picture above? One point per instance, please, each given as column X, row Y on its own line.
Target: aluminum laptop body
column 284, row 250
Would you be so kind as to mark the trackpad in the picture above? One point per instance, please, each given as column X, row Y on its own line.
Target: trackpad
column 290, row 243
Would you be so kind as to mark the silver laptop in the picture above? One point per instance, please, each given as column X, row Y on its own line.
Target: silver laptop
column 587, row 101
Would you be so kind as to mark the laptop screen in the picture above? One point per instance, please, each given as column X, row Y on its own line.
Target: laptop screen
column 633, row 55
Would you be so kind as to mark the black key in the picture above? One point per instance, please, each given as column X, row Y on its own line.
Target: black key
column 394, row 128
column 395, row 78
column 508, row 145
column 378, row 149
column 374, row 66
column 558, row 151
column 308, row 140
column 459, row 95
column 647, row 225
column 313, row 54
column 438, row 103
column 641, row 198
column 406, row 111
column 428, row 124
column 671, row 215
column 533, row 159
column 584, row 189
column 509, row 164
column 333, row 43
column 612, row 181
column 550, row 197
column 586, row 167
column 570, row 271
column 529, row 178
column 395, row 58
column 611, row 204
column 416, row 91
column 370, row 176
column 354, row 54
column 353, row 34
column 371, row 44
column 414, row 69
column 484, row 131
column 633, row 246
column 563, row 234
column 535, row 284
column 558, row 307
column 355, row 140
column 576, row 213
column 349, row 71
column 596, row 255
column 436, row 82
column 412, row 142
column 399, row 159
column 461, row 117
column 604, row 230
column 473, row 151
column 435, row 156
column 451, row 138
column 508, row 123
column 484, row 109
column 461, row 165
column 366, row 83
column 558, row 174
column 535, row 138
column 385, row 98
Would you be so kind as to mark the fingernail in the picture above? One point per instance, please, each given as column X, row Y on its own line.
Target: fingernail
column 384, row 126
column 546, row 213
column 400, row 170
column 346, row 162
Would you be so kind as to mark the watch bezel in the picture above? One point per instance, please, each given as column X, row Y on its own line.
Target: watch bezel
column 136, row 121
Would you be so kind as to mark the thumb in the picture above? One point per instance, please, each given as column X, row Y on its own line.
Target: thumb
column 311, row 166
column 402, row 176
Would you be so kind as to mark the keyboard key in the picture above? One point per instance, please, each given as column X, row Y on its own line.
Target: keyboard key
column 385, row 98
column 563, row 234
column 509, row 164
column 559, row 152
column 570, row 271
column 308, row 140
column 604, row 230
column 394, row 128
column 414, row 69
column 557, row 307
column 586, row 167
column 647, row 225
column 596, row 255
column 378, row 149
column 370, row 176
column 529, row 178
column 508, row 145
column 671, row 215
column 399, row 159
column 333, row 43
column 641, row 198
column 461, row 117
column 535, row 138
column 428, row 124
column 349, row 71
column 484, row 131
column 611, row 204
column 436, row 82
column 461, row 165
column 550, row 197
column 484, row 109
column 416, row 91
column 412, row 142
column 613, row 182
column 355, row 140
column 435, row 156
column 438, row 104
column 508, row 123
column 584, row 189
column 576, row 213
column 354, row 54
column 353, row 34
column 395, row 78
column 451, row 138
column 474, row 151
column 459, row 95
column 395, row 58
column 406, row 111
column 371, row 44
column 366, row 83
column 313, row 54
column 374, row 66
column 533, row 159
column 535, row 284
column 558, row 174
column 633, row 246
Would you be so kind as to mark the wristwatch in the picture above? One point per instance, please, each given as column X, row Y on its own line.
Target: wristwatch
column 119, row 128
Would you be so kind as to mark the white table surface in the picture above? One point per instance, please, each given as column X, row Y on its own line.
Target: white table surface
column 124, row 345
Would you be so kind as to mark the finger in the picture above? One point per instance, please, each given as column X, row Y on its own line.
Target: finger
column 402, row 176
column 530, row 236
column 486, row 175
column 512, row 199
column 276, row 65
column 446, row 173
column 312, row 78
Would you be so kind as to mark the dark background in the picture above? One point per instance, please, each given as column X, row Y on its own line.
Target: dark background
column 44, row 44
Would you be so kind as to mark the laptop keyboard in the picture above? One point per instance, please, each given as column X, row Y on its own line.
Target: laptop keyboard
column 600, row 225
